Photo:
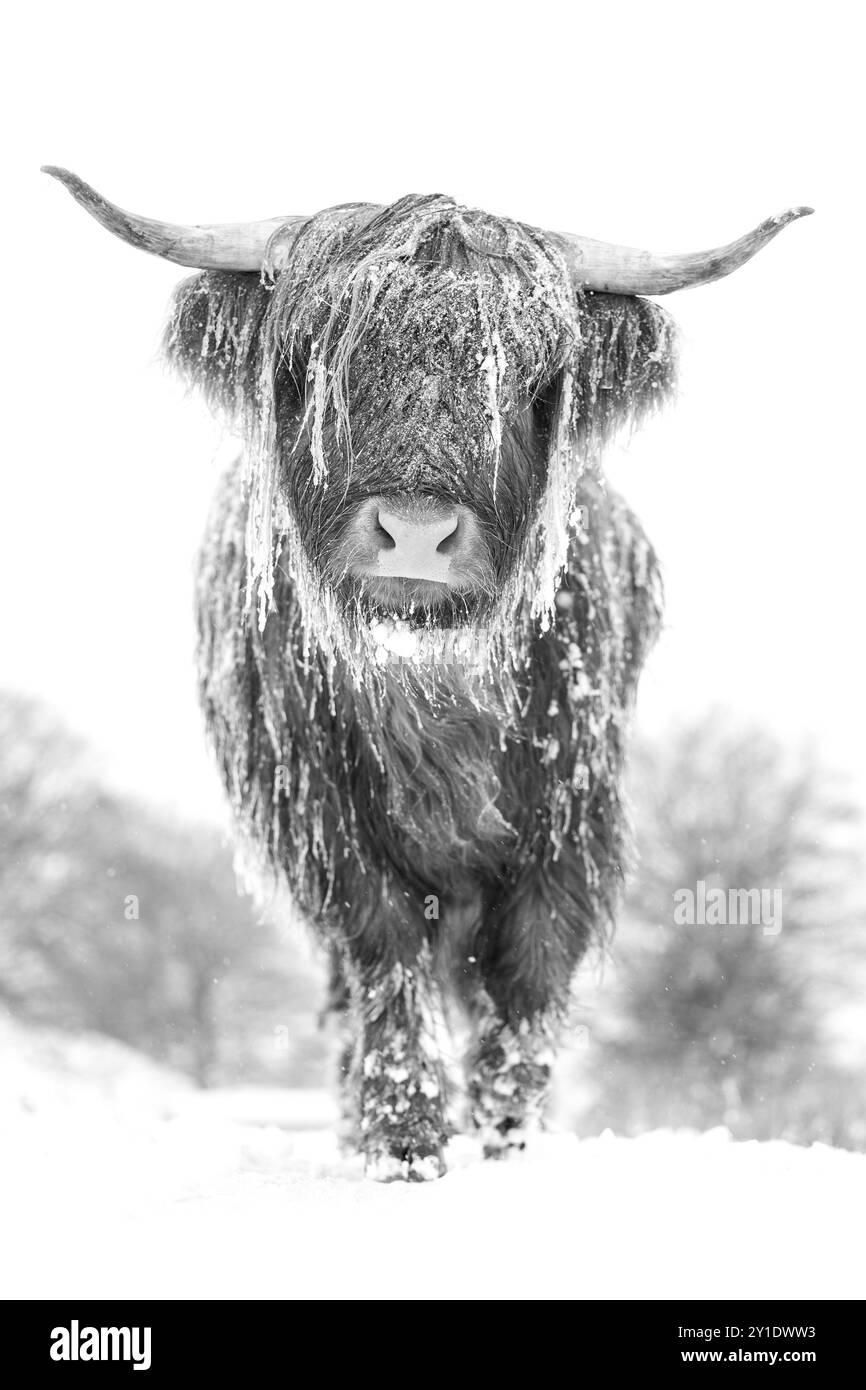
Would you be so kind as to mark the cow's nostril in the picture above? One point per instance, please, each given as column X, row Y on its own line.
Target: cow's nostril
column 383, row 535
column 448, row 543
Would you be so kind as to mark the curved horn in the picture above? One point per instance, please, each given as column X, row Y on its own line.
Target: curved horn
column 600, row 265
column 223, row 246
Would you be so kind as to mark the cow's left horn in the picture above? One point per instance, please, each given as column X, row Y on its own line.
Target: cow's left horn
column 600, row 265
column 223, row 246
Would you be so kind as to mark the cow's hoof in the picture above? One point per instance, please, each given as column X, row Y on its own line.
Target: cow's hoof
column 500, row 1150
column 504, row 1140
column 404, row 1165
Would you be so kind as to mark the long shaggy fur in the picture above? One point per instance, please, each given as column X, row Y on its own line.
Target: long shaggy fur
column 428, row 348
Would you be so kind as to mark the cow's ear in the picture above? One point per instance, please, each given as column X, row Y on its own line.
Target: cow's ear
column 213, row 338
column 625, row 364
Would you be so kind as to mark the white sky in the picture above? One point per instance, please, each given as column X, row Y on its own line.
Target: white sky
column 672, row 126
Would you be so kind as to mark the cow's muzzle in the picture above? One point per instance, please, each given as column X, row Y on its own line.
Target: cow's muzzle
column 420, row 548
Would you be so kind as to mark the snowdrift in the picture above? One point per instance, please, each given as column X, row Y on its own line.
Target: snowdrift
column 119, row 1180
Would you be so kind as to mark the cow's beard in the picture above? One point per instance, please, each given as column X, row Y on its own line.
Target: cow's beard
column 411, row 628
column 417, row 621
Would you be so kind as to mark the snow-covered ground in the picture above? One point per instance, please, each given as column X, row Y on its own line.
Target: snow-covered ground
column 119, row 1180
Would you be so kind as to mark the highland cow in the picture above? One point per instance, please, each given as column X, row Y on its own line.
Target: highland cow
column 422, row 614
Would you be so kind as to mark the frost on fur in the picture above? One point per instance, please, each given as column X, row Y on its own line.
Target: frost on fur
column 463, row 337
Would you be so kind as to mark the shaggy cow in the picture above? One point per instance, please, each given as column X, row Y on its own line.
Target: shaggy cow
column 422, row 615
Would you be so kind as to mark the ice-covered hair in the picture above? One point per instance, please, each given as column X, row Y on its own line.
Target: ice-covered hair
column 453, row 318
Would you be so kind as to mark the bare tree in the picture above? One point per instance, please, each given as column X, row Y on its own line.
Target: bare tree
column 112, row 919
column 729, row 1022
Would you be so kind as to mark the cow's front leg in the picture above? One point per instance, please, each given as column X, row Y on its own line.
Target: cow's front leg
column 395, row 1081
column 401, row 1082
column 533, row 931
column 509, row 1071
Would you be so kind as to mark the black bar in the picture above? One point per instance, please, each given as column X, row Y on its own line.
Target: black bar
column 224, row 1338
